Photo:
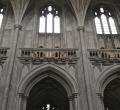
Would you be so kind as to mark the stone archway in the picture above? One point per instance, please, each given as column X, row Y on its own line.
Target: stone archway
column 106, row 76
column 48, row 92
column 109, row 78
column 43, row 74
column 112, row 95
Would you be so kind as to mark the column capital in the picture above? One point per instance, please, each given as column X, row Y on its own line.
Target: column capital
column 100, row 95
column 18, row 26
column 70, row 98
column 80, row 28
column 75, row 95
column 22, row 95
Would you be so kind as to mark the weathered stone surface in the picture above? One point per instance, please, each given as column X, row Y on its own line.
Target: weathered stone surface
column 84, row 81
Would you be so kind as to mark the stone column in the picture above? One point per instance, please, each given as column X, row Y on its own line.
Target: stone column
column 85, row 70
column 22, row 102
column 100, row 101
column 75, row 99
column 71, row 102
column 35, row 36
column 19, row 102
column 10, row 66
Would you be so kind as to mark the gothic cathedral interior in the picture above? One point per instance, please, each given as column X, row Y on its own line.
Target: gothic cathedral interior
column 59, row 55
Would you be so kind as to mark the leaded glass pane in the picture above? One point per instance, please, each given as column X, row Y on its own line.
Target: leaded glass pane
column 56, row 24
column 98, row 26
column 42, row 24
column 112, row 26
column 1, row 18
column 105, row 24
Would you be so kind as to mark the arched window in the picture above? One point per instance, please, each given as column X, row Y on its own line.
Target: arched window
column 1, row 16
column 104, row 21
column 98, row 25
column 49, row 20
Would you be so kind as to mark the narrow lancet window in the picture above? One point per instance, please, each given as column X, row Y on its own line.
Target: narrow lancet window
column 98, row 26
column 105, row 24
column 112, row 26
column 1, row 17
column 56, row 24
column 42, row 24
column 49, row 23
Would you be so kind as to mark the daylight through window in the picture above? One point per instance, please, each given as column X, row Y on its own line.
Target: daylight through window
column 49, row 20
column 1, row 17
column 104, row 21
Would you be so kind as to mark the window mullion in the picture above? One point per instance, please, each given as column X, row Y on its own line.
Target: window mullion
column 53, row 24
column 45, row 23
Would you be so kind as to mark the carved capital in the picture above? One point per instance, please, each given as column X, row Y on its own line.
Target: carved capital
column 75, row 95
column 18, row 26
column 70, row 98
column 22, row 95
column 79, row 28
column 100, row 95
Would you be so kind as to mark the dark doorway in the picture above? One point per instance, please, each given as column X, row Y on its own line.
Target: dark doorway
column 112, row 95
column 48, row 94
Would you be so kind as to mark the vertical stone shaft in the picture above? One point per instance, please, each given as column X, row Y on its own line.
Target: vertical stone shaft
column 11, row 65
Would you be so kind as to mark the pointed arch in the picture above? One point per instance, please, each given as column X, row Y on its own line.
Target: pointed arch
column 42, row 72
column 108, row 75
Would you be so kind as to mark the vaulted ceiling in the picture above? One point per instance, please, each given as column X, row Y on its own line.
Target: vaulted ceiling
column 79, row 8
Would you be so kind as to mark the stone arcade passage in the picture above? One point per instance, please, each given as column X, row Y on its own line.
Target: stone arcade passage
column 112, row 95
column 48, row 94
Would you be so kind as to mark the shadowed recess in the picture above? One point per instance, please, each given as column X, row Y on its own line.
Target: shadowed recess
column 48, row 92
column 112, row 95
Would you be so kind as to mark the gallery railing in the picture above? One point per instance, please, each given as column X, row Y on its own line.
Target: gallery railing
column 104, row 55
column 39, row 55
column 3, row 54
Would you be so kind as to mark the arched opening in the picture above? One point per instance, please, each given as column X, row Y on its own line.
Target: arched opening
column 48, row 94
column 112, row 95
column 47, row 86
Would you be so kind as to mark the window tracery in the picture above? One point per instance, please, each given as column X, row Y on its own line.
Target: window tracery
column 49, row 20
column 104, row 21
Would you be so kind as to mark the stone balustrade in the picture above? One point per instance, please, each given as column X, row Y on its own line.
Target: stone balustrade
column 104, row 55
column 3, row 54
column 39, row 55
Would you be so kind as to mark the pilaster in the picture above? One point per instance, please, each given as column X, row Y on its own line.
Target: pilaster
column 10, row 66
column 85, row 70
column 100, row 101
column 70, row 99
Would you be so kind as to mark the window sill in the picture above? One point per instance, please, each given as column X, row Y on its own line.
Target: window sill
column 50, row 34
column 108, row 35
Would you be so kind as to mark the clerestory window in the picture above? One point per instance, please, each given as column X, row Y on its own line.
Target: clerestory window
column 49, row 21
column 1, row 16
column 104, row 21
